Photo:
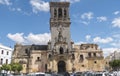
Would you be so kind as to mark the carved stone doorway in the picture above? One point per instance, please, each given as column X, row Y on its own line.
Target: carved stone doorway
column 61, row 67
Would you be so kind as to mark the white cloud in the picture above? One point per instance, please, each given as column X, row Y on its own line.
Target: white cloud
column 88, row 37
column 102, row 18
column 18, row 9
column 15, row 9
column 116, row 22
column 30, row 39
column 100, row 40
column 88, row 15
column 85, row 22
column 39, row 5
column 79, row 43
column 116, row 36
column 108, row 51
column 18, row 37
column 5, row 2
column 116, row 43
column 116, row 12
column 72, row 1
column 38, row 38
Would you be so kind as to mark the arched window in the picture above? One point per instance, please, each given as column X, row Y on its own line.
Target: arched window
column 81, row 57
column 55, row 12
column 26, row 51
column 94, row 54
column 61, row 50
column 89, row 54
column 46, row 67
column 65, row 13
column 59, row 12
column 2, row 51
column 7, row 52
column 73, row 56
column 49, row 55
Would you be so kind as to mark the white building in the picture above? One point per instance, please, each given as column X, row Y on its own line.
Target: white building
column 5, row 55
column 115, row 55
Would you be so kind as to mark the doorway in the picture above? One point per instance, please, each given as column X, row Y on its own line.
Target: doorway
column 61, row 67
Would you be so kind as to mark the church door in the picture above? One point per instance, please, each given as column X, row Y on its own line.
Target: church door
column 61, row 67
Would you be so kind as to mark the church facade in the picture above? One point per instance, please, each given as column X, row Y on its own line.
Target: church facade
column 60, row 54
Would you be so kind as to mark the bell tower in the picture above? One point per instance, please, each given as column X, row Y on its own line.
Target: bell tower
column 60, row 23
column 60, row 46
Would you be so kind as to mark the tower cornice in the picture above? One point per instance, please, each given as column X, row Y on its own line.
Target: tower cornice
column 59, row 4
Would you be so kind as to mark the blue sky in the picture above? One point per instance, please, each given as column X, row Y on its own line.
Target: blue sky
column 92, row 21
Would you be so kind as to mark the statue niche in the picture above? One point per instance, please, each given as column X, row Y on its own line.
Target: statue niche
column 61, row 50
column 60, row 37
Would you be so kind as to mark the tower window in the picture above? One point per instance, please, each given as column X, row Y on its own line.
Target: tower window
column 65, row 13
column 55, row 12
column 59, row 12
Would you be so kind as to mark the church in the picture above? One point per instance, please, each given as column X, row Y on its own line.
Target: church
column 60, row 54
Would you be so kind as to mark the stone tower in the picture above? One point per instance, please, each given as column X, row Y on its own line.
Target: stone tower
column 60, row 23
column 60, row 47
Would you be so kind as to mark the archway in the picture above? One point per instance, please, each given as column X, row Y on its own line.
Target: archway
column 61, row 67
column 60, row 12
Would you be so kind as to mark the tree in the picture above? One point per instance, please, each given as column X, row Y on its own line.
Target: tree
column 19, row 67
column 115, row 64
column 0, row 69
column 16, row 67
column 13, row 67
column 6, row 67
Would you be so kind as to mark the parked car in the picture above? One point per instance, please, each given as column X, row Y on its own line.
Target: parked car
column 3, row 74
column 101, row 74
column 46, row 74
column 78, row 74
column 36, row 74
